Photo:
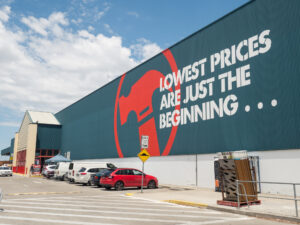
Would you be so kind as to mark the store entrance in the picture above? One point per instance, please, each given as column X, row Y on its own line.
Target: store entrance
column 41, row 155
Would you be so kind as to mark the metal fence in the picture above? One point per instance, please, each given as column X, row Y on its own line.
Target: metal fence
column 240, row 183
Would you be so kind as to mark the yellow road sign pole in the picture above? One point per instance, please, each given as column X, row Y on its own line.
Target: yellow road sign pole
column 143, row 155
column 142, row 179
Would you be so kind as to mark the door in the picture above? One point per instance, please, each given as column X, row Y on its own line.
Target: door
column 138, row 178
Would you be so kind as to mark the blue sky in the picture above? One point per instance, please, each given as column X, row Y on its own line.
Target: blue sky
column 55, row 52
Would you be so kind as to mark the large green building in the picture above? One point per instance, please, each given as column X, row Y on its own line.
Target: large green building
column 233, row 85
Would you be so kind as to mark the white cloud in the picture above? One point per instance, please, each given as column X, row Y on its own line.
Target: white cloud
column 4, row 13
column 9, row 124
column 49, row 67
column 135, row 14
column 100, row 14
column 91, row 28
column 144, row 49
column 43, row 26
column 108, row 28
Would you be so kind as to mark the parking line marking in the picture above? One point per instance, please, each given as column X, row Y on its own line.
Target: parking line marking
column 70, row 197
column 53, row 221
column 118, row 218
column 111, row 212
column 106, row 202
column 84, row 199
column 42, row 193
column 99, row 207
column 37, row 182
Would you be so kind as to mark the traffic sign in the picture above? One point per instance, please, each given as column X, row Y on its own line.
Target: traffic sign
column 144, row 141
column 144, row 155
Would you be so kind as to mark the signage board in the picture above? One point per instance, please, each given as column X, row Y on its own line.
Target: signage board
column 144, row 155
column 144, row 142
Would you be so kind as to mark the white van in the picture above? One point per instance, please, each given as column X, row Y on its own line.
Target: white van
column 61, row 170
column 74, row 167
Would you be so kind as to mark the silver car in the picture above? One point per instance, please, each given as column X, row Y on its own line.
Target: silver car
column 5, row 171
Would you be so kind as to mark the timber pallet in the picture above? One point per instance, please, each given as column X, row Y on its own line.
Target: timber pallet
column 235, row 204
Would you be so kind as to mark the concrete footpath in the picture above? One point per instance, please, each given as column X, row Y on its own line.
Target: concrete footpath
column 275, row 209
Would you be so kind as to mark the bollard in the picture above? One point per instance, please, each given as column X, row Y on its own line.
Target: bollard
column 237, row 193
column 295, row 197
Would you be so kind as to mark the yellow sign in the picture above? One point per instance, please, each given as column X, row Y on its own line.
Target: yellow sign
column 144, row 155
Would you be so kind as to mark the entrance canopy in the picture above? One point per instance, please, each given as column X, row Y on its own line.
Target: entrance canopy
column 57, row 158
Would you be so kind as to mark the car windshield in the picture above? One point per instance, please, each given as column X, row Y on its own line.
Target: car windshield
column 82, row 170
column 4, row 168
column 107, row 173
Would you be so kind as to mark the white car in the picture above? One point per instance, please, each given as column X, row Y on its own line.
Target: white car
column 61, row 171
column 5, row 171
column 48, row 170
column 85, row 174
column 74, row 167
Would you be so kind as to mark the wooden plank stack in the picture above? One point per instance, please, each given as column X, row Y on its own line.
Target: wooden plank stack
column 232, row 170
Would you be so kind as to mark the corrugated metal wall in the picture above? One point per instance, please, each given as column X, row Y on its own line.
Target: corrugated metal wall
column 5, row 151
column 12, row 145
column 48, row 137
column 252, row 65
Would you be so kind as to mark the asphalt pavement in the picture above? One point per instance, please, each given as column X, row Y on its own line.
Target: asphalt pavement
column 43, row 201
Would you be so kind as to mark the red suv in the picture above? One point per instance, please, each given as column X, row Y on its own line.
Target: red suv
column 127, row 177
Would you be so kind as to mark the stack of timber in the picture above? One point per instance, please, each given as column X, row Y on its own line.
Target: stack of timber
column 232, row 170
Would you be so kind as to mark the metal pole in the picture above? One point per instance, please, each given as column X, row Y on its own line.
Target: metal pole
column 142, row 179
column 196, row 171
column 237, row 193
column 295, row 197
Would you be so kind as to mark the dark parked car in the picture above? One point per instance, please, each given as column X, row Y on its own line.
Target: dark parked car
column 96, row 177
column 127, row 177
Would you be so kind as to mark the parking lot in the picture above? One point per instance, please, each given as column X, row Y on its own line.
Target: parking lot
column 44, row 201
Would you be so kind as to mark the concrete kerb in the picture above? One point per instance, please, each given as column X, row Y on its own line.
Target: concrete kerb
column 236, row 211
column 257, row 214
column 262, row 215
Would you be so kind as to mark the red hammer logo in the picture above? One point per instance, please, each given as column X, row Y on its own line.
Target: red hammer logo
column 139, row 101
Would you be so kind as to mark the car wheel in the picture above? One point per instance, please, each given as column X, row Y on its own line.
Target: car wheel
column 151, row 184
column 62, row 178
column 119, row 186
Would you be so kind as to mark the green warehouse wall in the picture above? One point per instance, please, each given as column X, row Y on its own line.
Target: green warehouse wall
column 10, row 149
column 48, row 137
column 5, row 151
column 12, row 145
column 237, row 89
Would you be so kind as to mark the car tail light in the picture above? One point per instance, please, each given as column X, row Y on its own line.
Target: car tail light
column 96, row 177
column 73, row 173
column 82, row 173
